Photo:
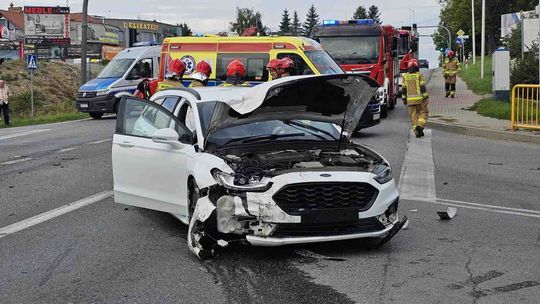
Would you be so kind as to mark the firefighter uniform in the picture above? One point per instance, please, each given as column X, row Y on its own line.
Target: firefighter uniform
column 415, row 95
column 196, row 84
column 169, row 83
column 241, row 84
column 451, row 69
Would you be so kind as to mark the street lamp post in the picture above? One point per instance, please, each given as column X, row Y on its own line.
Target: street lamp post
column 473, row 35
column 483, row 39
column 84, row 38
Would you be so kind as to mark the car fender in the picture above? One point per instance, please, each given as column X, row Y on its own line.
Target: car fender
column 201, row 169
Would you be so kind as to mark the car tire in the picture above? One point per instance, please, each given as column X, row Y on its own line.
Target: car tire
column 96, row 115
column 193, row 196
column 392, row 104
column 384, row 111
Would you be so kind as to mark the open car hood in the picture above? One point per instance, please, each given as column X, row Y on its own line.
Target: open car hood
column 339, row 99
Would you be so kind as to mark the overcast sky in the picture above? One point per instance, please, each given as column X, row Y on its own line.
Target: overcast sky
column 211, row 16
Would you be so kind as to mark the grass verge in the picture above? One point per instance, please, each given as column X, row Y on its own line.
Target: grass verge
column 490, row 107
column 20, row 122
column 471, row 76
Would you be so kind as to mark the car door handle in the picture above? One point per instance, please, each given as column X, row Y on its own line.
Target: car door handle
column 126, row 144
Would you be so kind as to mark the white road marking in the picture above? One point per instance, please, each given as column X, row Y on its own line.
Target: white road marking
column 66, row 150
column 418, row 170
column 417, row 180
column 54, row 213
column 16, row 161
column 23, row 133
column 99, row 141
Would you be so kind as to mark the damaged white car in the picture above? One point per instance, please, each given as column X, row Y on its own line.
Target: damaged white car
column 269, row 166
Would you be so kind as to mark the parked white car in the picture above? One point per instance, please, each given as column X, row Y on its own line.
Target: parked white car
column 270, row 165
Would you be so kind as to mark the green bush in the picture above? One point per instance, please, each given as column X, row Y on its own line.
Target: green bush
column 525, row 71
column 20, row 104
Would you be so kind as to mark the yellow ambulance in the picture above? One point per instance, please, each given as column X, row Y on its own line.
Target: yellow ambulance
column 254, row 52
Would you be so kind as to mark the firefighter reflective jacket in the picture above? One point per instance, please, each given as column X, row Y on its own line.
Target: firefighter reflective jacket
column 414, row 88
column 168, row 83
column 451, row 67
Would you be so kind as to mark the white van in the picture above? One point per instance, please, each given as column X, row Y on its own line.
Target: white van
column 120, row 77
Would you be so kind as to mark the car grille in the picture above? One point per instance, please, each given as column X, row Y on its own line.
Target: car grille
column 359, row 226
column 296, row 199
column 86, row 94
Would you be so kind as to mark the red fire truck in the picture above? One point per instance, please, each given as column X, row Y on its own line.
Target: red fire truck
column 408, row 46
column 364, row 46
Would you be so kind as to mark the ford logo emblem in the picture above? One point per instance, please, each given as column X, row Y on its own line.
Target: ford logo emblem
column 326, row 175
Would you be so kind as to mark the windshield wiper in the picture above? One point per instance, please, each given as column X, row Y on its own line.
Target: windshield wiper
column 309, row 127
column 263, row 137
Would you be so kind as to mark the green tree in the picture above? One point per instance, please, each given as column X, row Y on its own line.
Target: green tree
column 373, row 13
column 360, row 13
column 296, row 26
column 456, row 15
column 247, row 18
column 285, row 25
column 312, row 19
column 513, row 42
column 186, row 30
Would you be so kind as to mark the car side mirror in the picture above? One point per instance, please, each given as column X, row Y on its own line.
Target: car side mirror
column 167, row 136
column 395, row 42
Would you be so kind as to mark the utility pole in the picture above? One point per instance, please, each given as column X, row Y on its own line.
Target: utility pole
column 473, row 35
column 483, row 40
column 84, row 38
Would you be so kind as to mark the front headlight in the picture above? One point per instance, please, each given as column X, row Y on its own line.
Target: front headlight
column 383, row 174
column 102, row 92
column 242, row 183
column 380, row 94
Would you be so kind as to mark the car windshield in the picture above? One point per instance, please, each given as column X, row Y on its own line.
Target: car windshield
column 116, row 68
column 323, row 62
column 351, row 49
column 275, row 130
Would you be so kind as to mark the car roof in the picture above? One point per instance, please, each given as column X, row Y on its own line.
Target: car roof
column 136, row 52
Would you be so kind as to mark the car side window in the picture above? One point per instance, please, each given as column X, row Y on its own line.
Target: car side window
column 301, row 67
column 170, row 103
column 255, row 65
column 144, row 65
column 142, row 118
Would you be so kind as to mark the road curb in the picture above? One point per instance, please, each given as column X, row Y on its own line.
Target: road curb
column 486, row 133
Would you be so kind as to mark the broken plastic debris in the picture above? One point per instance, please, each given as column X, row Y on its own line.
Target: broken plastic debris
column 448, row 214
column 406, row 225
column 222, row 243
column 413, row 210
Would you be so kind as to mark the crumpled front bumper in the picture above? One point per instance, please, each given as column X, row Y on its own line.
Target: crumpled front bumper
column 274, row 242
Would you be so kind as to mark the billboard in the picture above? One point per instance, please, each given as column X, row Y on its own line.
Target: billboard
column 46, row 25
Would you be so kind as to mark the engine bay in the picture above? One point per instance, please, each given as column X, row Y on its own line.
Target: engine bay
column 253, row 166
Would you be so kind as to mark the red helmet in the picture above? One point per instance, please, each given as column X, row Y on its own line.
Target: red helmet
column 204, row 68
column 236, row 68
column 273, row 64
column 413, row 63
column 286, row 63
column 177, row 67
column 451, row 54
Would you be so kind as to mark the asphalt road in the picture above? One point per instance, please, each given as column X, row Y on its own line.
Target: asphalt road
column 109, row 253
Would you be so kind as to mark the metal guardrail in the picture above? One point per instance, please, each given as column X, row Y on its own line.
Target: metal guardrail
column 525, row 107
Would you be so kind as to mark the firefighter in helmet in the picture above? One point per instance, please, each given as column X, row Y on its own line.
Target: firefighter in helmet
column 236, row 73
column 416, row 98
column 286, row 67
column 272, row 68
column 451, row 69
column 175, row 72
column 201, row 75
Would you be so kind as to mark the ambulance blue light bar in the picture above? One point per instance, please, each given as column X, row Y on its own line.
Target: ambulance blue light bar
column 330, row 22
column 357, row 21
